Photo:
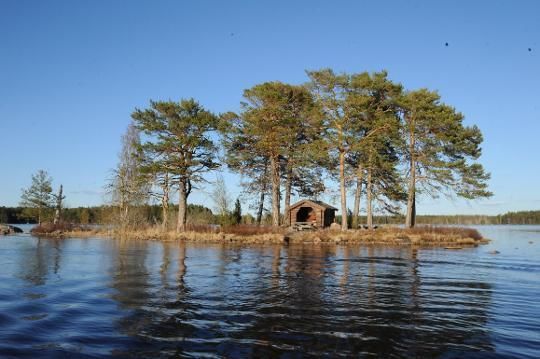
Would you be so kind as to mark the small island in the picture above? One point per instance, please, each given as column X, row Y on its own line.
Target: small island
column 446, row 237
column 312, row 222
column 340, row 136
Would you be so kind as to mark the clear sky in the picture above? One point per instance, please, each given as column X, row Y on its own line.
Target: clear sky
column 71, row 73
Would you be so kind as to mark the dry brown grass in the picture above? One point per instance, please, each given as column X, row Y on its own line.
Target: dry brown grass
column 244, row 234
column 46, row 228
column 424, row 236
column 251, row 230
column 59, row 229
column 198, row 236
column 88, row 233
column 202, row 228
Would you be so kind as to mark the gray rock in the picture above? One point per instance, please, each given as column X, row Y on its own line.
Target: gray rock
column 6, row 229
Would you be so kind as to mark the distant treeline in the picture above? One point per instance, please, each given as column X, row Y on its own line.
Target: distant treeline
column 105, row 214
column 198, row 214
column 82, row 215
column 521, row 217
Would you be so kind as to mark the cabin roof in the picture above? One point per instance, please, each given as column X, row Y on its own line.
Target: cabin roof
column 313, row 203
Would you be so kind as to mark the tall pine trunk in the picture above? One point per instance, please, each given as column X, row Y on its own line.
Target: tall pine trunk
column 369, row 199
column 410, row 220
column 165, row 203
column 182, row 207
column 411, row 197
column 165, row 212
column 357, row 197
column 288, row 189
column 261, row 207
column 344, row 225
column 263, row 187
column 274, row 167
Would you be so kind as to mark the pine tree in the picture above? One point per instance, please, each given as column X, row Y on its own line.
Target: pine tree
column 274, row 116
column 178, row 140
column 331, row 92
column 440, row 151
column 357, row 115
column 244, row 157
column 372, row 102
column 37, row 198
column 302, row 155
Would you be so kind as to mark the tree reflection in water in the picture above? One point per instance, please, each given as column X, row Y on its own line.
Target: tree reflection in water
column 38, row 260
column 318, row 299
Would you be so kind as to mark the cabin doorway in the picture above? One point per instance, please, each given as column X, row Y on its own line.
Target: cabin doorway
column 306, row 214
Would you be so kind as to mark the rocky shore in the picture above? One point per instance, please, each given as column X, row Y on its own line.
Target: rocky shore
column 6, row 229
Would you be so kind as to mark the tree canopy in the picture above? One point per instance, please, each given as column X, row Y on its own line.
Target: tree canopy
column 275, row 126
column 363, row 131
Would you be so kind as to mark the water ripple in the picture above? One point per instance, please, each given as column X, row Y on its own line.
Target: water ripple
column 95, row 298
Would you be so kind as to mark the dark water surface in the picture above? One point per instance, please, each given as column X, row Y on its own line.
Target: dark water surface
column 99, row 298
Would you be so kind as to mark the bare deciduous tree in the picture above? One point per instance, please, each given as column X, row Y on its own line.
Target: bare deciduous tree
column 127, row 187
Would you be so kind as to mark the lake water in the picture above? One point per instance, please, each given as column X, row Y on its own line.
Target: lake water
column 98, row 298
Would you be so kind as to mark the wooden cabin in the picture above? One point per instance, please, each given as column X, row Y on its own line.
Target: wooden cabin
column 316, row 213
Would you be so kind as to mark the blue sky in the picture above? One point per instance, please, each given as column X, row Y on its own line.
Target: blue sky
column 71, row 72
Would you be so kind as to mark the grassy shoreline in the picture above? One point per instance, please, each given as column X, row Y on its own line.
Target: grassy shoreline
column 450, row 237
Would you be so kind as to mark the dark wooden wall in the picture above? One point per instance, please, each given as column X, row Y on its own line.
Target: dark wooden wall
column 316, row 215
column 323, row 218
column 329, row 216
